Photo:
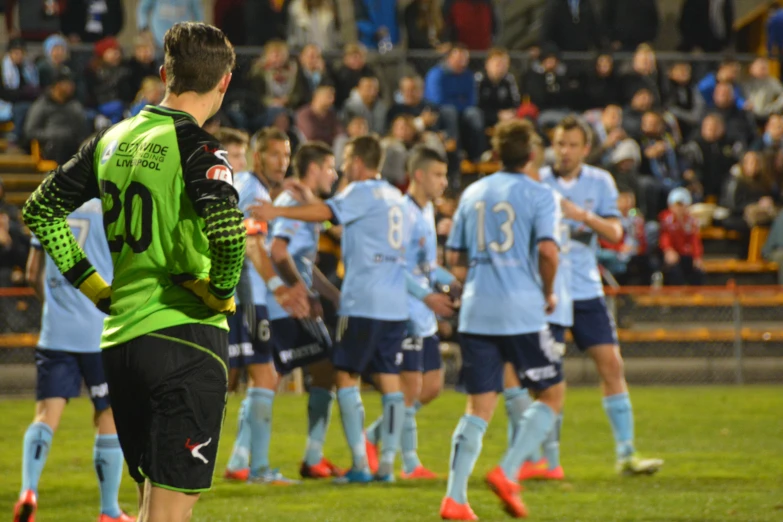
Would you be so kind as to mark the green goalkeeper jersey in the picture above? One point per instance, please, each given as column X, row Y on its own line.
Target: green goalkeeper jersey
column 170, row 214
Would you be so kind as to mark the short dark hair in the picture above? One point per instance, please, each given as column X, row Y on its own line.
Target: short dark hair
column 513, row 143
column 570, row 123
column 227, row 136
column 262, row 138
column 368, row 149
column 197, row 57
column 309, row 153
column 420, row 158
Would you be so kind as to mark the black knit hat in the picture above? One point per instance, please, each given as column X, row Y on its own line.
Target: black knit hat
column 16, row 43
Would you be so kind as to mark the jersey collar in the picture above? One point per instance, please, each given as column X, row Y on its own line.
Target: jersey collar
column 165, row 111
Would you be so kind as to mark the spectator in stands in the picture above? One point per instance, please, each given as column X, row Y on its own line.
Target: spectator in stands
column 498, row 93
column 271, row 84
column 150, row 93
column 450, row 85
column 311, row 74
column 55, row 56
column 660, row 166
column 706, row 25
column 14, row 246
column 313, row 22
column 680, row 242
column 740, row 127
column 643, row 75
column 229, row 16
column 624, row 162
column 142, row 64
column 424, row 25
column 772, row 139
column 318, row 121
column 750, row 196
column 158, row 16
column 773, row 247
column 627, row 259
column 265, row 21
column 471, row 23
column 549, row 87
column 402, row 138
column 364, row 102
column 7, row 207
column 89, row 21
column 641, row 102
column 20, row 84
column 347, row 75
column 376, row 21
column 31, row 21
column 108, row 82
column 57, row 120
column 356, row 127
column 607, row 134
column 603, row 86
column 728, row 72
column 571, row 25
column 629, row 24
column 763, row 91
column 709, row 157
column 412, row 94
column 775, row 33
column 682, row 99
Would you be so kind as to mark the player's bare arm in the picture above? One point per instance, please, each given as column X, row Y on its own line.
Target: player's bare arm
column 548, row 253
column 609, row 228
column 458, row 262
column 311, row 213
column 34, row 272
column 324, row 287
column 292, row 298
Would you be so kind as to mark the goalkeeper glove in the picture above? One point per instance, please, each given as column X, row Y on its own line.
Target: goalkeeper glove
column 201, row 288
column 98, row 291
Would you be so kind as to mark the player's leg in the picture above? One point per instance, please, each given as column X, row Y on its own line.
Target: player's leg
column 239, row 346
column 482, row 375
column 356, row 339
column 319, row 414
column 595, row 333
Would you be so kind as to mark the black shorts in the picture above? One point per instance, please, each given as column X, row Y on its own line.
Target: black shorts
column 168, row 392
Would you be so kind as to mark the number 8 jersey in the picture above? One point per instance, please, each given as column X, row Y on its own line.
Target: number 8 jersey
column 374, row 230
column 498, row 224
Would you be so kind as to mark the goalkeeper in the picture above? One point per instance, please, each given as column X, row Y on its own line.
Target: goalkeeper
column 177, row 243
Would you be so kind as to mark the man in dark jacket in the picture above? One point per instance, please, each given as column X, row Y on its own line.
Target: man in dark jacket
column 57, row 120
column 353, row 68
column 572, row 25
column 92, row 21
column 265, row 21
column 498, row 93
column 706, row 25
column 413, row 104
column 549, row 88
column 628, row 24
column 709, row 157
column 740, row 127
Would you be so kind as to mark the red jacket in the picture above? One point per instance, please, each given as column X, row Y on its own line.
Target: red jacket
column 681, row 236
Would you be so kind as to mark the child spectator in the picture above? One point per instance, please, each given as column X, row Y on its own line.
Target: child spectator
column 680, row 242
column 108, row 82
column 20, row 83
column 142, row 64
column 682, row 99
column 364, row 102
column 55, row 56
column 348, row 74
column 498, row 93
column 627, row 260
column 313, row 22
column 151, row 93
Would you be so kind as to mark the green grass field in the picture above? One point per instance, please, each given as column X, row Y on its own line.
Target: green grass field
column 723, row 448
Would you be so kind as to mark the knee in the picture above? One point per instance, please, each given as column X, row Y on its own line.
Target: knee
column 264, row 376
column 554, row 396
column 449, row 114
column 430, row 392
column 474, row 117
column 611, row 368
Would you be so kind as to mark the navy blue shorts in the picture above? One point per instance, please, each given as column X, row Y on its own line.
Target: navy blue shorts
column 369, row 345
column 421, row 354
column 593, row 324
column 60, row 374
column 243, row 347
column 299, row 342
column 535, row 356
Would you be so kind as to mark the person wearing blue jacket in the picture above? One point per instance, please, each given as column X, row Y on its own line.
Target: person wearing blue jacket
column 452, row 87
column 158, row 16
column 728, row 71
column 377, row 23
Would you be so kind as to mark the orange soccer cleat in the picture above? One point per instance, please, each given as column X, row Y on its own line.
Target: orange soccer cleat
column 450, row 509
column 240, row 475
column 323, row 469
column 420, row 473
column 124, row 517
column 507, row 491
column 372, row 455
column 24, row 510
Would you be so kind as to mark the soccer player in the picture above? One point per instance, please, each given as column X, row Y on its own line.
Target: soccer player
column 177, row 244
column 250, row 456
column 503, row 244
column 373, row 303
column 294, row 247
column 68, row 353
column 590, row 209
column 421, row 375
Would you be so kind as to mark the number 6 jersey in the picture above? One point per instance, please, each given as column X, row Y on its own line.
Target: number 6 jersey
column 169, row 212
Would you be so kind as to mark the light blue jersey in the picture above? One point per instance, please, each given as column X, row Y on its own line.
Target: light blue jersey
column 250, row 188
column 498, row 224
column 593, row 190
column 70, row 321
column 421, row 254
column 372, row 213
column 564, row 312
column 302, row 241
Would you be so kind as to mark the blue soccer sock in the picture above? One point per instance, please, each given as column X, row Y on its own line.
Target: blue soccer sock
column 319, row 411
column 618, row 408
column 537, row 421
column 352, row 415
column 409, row 442
column 260, row 408
column 391, row 432
column 374, row 431
column 465, row 450
column 107, row 457
column 35, row 449
column 240, row 455
column 517, row 401
column 552, row 444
